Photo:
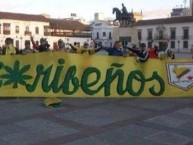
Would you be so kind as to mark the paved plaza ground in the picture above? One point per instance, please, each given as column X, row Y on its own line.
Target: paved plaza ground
column 158, row 121
column 26, row 121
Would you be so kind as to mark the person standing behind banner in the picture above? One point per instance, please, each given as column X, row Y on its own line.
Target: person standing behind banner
column 116, row 50
column 9, row 49
column 79, row 49
column 44, row 46
column 93, row 44
column 142, row 53
column 27, row 48
column 61, row 45
column 166, row 52
column 96, row 48
column 153, row 52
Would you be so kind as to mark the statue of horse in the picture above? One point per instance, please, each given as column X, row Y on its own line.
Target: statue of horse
column 118, row 14
column 129, row 17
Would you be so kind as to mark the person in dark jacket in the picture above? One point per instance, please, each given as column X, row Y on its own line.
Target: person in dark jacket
column 116, row 50
column 44, row 46
column 142, row 53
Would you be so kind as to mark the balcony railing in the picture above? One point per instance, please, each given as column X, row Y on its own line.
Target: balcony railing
column 47, row 33
column 70, row 34
column 161, row 37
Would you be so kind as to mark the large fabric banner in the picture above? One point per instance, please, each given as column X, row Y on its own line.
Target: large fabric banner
column 57, row 74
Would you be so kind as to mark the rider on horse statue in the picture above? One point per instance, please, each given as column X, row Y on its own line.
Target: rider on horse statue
column 124, row 10
column 123, row 16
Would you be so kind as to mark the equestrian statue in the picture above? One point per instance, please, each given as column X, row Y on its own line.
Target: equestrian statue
column 125, row 18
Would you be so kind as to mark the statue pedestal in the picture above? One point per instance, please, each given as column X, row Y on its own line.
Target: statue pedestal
column 127, row 35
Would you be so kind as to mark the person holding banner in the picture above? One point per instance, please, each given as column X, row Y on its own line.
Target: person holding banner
column 96, row 48
column 166, row 52
column 142, row 53
column 84, row 49
column 27, row 48
column 79, row 49
column 44, row 46
column 61, row 45
column 9, row 48
column 116, row 50
column 153, row 52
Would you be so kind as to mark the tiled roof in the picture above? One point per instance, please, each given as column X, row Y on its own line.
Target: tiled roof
column 68, row 25
column 185, row 19
column 54, row 23
column 22, row 17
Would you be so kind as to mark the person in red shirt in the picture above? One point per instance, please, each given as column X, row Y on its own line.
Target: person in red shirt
column 153, row 52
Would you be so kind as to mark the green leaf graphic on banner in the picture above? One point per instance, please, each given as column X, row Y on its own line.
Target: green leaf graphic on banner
column 16, row 75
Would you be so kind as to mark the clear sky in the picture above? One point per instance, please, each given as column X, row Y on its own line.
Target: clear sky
column 86, row 8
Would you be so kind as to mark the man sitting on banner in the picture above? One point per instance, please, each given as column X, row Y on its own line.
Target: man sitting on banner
column 142, row 53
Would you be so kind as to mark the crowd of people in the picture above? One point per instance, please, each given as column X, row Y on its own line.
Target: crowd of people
column 142, row 53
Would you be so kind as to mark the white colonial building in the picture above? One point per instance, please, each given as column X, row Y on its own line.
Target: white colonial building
column 102, row 30
column 177, row 31
column 21, row 26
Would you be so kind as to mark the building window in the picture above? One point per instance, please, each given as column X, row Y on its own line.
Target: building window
column 17, row 29
column 150, row 34
column 139, row 33
column 47, row 31
column 37, row 30
column 161, row 34
column 27, row 32
column 172, row 44
column 104, row 34
column 185, row 33
column 6, row 28
column 110, row 35
column 185, row 44
column 97, row 35
column 173, row 33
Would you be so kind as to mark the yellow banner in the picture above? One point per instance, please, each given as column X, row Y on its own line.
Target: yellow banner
column 56, row 74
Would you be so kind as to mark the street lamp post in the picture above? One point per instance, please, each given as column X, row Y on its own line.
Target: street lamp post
column 178, row 46
column 21, row 41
